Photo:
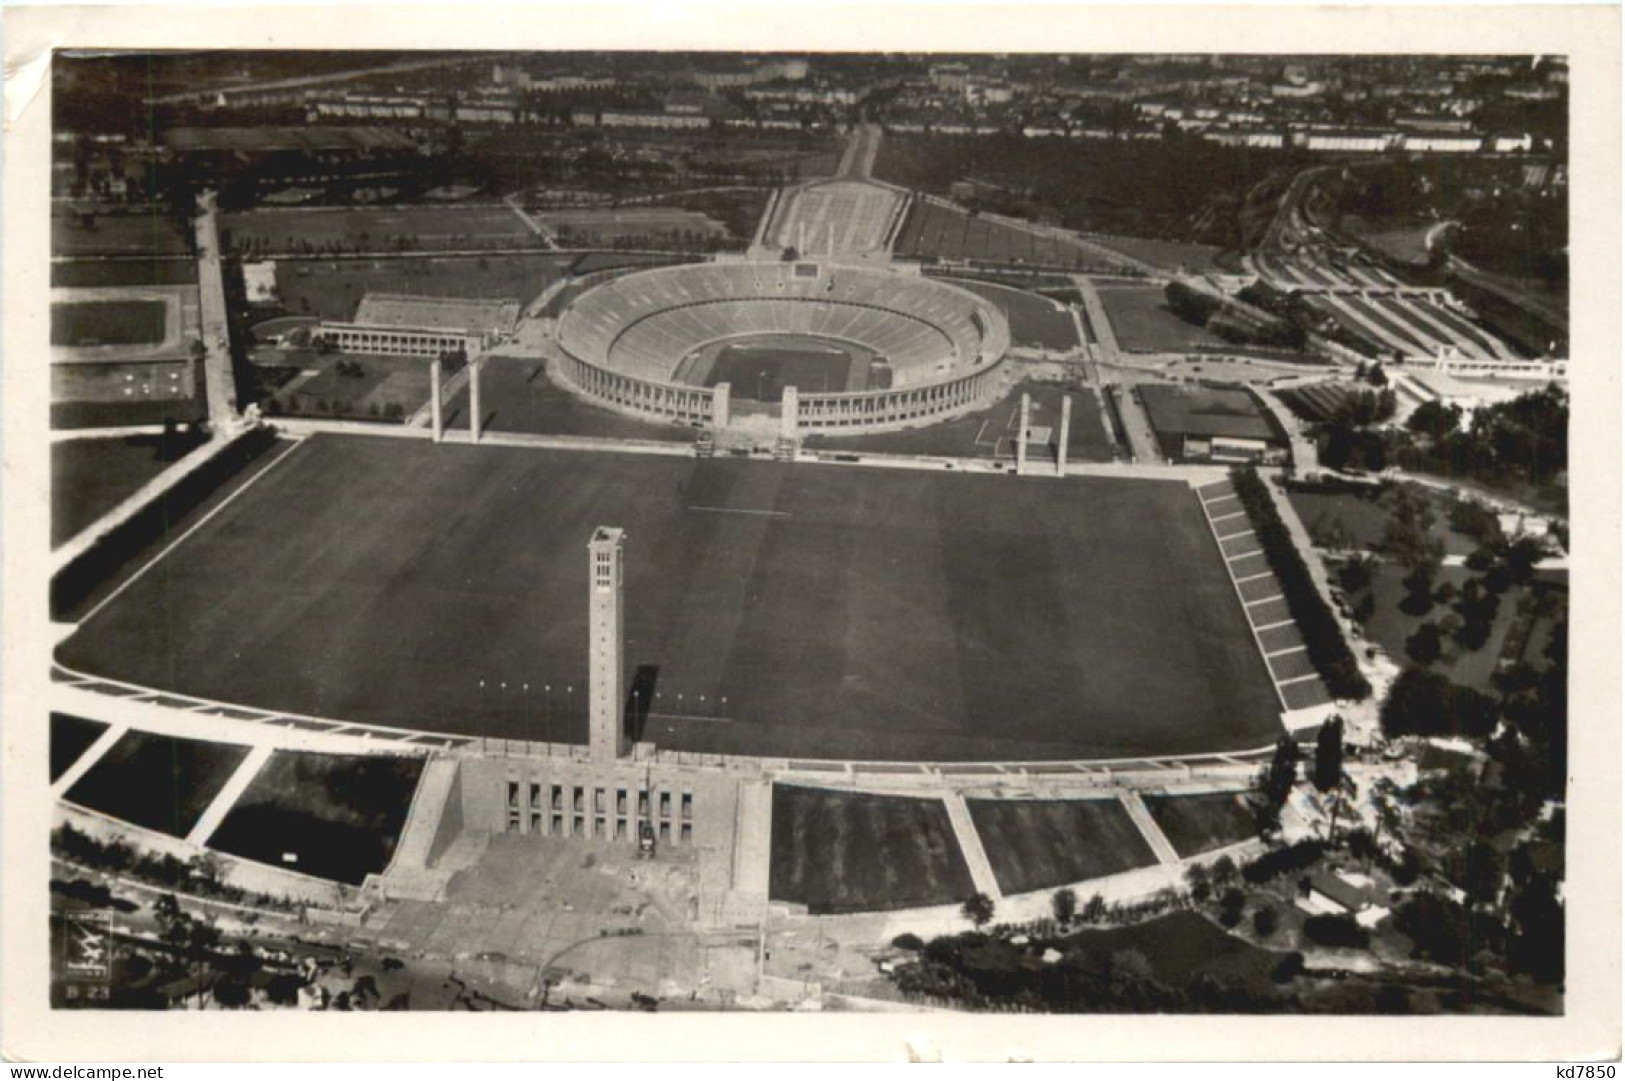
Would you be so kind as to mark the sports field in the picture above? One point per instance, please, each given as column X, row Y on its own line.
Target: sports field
column 817, row 611
column 858, row 851
column 308, row 231
column 761, row 371
column 332, row 289
column 108, row 322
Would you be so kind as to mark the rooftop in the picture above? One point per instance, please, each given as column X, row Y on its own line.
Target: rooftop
column 1206, row 412
column 470, row 314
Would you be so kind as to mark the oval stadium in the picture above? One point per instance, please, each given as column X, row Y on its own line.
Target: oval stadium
column 863, row 349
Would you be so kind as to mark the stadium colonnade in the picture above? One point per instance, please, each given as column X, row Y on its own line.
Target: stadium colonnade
column 625, row 343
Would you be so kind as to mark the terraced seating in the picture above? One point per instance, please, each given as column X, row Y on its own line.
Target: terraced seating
column 645, row 324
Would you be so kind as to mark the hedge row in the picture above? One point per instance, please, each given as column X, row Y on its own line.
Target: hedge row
column 1328, row 651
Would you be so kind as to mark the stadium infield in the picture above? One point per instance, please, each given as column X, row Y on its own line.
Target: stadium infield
column 809, row 611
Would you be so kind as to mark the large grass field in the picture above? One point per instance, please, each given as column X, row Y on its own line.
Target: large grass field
column 338, row 815
column 1144, row 323
column 990, row 432
column 1365, row 515
column 1391, row 627
column 108, row 322
column 1201, row 823
column 164, row 783
column 1041, row 844
column 821, row 611
column 944, row 232
column 1167, row 254
column 857, row 851
column 516, row 395
column 392, row 228
column 1035, row 321
column 331, row 289
column 71, row 737
column 136, row 232
column 761, row 370
column 89, row 477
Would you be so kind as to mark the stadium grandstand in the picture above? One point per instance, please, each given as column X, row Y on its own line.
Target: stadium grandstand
column 403, row 325
column 838, row 216
column 650, row 341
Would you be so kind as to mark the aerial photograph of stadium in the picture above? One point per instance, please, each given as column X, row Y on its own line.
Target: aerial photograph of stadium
column 669, row 531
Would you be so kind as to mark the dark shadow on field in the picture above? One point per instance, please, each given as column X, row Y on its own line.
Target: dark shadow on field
column 638, row 699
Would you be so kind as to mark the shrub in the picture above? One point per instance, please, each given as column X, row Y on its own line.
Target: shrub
column 1280, row 861
column 1339, row 932
column 908, row 940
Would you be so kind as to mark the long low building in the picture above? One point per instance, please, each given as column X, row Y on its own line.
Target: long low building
column 399, row 324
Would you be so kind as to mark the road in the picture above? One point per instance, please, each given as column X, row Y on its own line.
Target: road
column 531, row 222
column 858, row 162
column 219, row 383
column 312, row 80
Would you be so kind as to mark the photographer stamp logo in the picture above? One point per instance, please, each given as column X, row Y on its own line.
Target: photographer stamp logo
column 88, row 946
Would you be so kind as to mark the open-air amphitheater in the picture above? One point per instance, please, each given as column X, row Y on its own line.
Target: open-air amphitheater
column 641, row 343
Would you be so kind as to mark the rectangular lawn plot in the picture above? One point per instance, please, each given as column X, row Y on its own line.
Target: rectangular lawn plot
column 338, row 815
column 1040, row 844
column 1201, row 823
column 839, row 851
column 787, row 610
column 71, row 737
column 108, row 322
column 164, row 783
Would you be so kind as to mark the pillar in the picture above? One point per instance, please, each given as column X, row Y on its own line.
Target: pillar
column 719, row 405
column 474, row 401
column 789, row 405
column 436, row 418
column 1021, row 434
column 606, row 695
column 1066, row 433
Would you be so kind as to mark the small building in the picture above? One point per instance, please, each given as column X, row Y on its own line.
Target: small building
column 1199, row 423
column 1342, row 893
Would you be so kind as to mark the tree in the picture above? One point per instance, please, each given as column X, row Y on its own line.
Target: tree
column 1198, row 882
column 1423, row 703
column 1265, row 921
column 1435, row 420
column 1424, row 646
column 1064, row 903
column 1231, row 902
column 1328, row 771
column 1095, row 910
column 231, row 993
column 1281, row 774
column 978, row 908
